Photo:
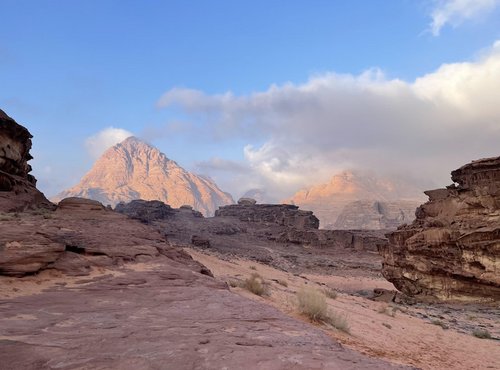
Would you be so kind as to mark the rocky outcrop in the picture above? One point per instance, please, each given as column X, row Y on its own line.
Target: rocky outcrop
column 153, row 210
column 452, row 250
column 279, row 235
column 134, row 169
column 281, row 214
column 17, row 185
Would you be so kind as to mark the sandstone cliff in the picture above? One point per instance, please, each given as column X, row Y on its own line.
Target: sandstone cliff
column 134, row 169
column 452, row 250
column 17, row 186
column 353, row 200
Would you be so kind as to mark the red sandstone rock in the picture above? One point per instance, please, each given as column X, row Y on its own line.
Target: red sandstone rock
column 17, row 186
column 452, row 250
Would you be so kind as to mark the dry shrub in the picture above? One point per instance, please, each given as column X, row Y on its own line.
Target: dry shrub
column 481, row 333
column 330, row 293
column 312, row 303
column 387, row 310
column 255, row 284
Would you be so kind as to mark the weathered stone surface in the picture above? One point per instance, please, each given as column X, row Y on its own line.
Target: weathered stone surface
column 452, row 250
column 167, row 317
column 281, row 214
column 134, row 169
column 137, row 315
column 17, row 186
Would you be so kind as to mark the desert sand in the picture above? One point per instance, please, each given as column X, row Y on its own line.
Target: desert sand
column 375, row 330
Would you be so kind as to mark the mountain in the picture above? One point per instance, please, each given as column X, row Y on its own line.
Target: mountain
column 134, row 169
column 355, row 200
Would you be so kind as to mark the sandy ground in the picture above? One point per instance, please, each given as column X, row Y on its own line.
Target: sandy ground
column 377, row 329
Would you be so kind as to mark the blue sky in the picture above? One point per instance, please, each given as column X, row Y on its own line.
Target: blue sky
column 70, row 69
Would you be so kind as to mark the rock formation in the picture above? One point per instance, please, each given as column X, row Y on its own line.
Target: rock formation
column 281, row 214
column 452, row 250
column 142, row 304
column 280, row 235
column 134, row 169
column 17, row 186
column 352, row 200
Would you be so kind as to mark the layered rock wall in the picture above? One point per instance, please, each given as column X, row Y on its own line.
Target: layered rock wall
column 17, row 186
column 452, row 250
column 281, row 214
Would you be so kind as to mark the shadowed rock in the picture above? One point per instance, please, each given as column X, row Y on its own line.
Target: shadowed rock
column 17, row 185
column 452, row 250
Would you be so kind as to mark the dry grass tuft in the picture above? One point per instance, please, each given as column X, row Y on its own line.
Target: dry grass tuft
column 255, row 284
column 330, row 293
column 312, row 303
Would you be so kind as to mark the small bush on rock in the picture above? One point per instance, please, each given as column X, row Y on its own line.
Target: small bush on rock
column 481, row 333
column 255, row 284
column 312, row 304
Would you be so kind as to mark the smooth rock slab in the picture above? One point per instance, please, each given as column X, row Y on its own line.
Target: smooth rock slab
column 168, row 318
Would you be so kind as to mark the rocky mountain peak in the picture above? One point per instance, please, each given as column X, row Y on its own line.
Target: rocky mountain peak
column 134, row 169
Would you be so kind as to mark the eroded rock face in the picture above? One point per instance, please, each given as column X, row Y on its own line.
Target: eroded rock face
column 281, row 214
column 17, row 186
column 278, row 235
column 452, row 250
column 134, row 169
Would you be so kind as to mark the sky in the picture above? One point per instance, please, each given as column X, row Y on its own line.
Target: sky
column 271, row 94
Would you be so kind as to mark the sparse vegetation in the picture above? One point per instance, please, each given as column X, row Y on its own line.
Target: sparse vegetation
column 255, row 284
column 481, row 333
column 387, row 310
column 8, row 216
column 312, row 303
column 233, row 283
column 439, row 323
column 253, row 268
column 330, row 293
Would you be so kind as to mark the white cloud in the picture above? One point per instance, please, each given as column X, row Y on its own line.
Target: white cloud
column 104, row 139
column 302, row 134
column 455, row 12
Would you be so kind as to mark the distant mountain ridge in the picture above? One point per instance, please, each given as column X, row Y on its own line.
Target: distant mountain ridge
column 354, row 200
column 134, row 169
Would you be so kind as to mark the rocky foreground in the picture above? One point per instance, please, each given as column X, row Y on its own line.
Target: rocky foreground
column 84, row 287
column 452, row 250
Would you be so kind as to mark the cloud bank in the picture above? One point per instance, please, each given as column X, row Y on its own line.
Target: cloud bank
column 455, row 12
column 104, row 139
column 418, row 131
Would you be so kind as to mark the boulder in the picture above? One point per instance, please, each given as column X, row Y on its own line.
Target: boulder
column 246, row 201
column 451, row 251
